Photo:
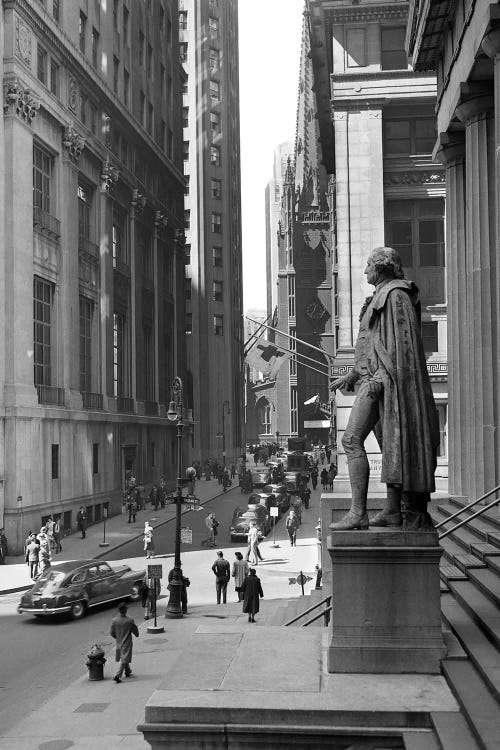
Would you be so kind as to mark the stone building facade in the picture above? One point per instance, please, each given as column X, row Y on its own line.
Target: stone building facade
column 91, row 259
column 213, row 272
column 377, row 129
column 460, row 42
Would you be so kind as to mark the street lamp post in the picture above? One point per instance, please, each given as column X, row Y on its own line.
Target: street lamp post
column 174, row 608
column 226, row 403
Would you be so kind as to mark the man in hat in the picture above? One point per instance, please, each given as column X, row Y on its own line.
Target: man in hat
column 122, row 628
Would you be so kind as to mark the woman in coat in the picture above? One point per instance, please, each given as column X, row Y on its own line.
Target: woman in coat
column 239, row 573
column 251, row 589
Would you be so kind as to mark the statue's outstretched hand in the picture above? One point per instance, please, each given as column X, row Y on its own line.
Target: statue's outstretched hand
column 342, row 383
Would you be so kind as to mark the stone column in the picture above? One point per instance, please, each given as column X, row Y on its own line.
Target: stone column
column 134, row 210
column 69, row 310
column 452, row 155
column 491, row 45
column 476, row 111
column 16, row 251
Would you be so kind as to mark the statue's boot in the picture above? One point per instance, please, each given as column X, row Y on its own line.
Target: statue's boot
column 357, row 517
column 390, row 515
column 417, row 518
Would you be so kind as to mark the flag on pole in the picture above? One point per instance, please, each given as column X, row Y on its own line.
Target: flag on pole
column 313, row 400
column 265, row 357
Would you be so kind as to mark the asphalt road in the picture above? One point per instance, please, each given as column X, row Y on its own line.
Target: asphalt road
column 223, row 507
column 38, row 657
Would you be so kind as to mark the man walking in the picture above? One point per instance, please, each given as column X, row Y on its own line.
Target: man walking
column 211, row 523
column 122, row 628
column 253, row 544
column 291, row 527
column 81, row 521
column 221, row 569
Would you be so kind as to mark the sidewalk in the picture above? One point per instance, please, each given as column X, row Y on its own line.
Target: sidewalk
column 14, row 576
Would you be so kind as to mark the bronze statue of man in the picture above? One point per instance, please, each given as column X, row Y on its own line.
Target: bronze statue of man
column 394, row 401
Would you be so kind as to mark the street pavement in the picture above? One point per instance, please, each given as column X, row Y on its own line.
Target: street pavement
column 91, row 715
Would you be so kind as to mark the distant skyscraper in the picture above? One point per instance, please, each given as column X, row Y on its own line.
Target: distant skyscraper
column 274, row 192
column 213, row 283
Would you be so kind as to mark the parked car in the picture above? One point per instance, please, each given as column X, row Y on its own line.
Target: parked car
column 259, row 478
column 75, row 587
column 242, row 517
column 281, row 495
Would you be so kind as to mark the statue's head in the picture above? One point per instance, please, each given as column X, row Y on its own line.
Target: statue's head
column 386, row 261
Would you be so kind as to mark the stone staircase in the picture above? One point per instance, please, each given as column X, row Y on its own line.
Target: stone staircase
column 470, row 605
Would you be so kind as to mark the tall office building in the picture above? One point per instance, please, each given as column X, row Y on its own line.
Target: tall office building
column 378, row 130
column 91, row 256
column 273, row 195
column 213, row 281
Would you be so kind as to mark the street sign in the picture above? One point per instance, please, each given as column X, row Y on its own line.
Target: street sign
column 191, row 499
column 273, row 511
column 301, row 579
column 155, row 571
column 186, row 535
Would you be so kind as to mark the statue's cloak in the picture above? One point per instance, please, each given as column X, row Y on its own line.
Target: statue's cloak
column 408, row 416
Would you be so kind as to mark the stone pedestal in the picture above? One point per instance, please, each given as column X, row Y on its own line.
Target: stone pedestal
column 386, row 602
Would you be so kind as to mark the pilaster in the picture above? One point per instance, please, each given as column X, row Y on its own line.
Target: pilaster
column 16, row 252
column 108, row 182
column 476, row 112
column 69, row 309
column 452, row 154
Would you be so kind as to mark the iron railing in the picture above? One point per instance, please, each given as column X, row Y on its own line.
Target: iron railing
column 46, row 221
column 324, row 613
column 123, row 403
column 151, row 408
column 466, row 508
column 92, row 400
column 49, row 394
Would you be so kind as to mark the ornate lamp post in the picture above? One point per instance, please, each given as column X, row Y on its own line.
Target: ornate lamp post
column 174, row 608
column 226, row 403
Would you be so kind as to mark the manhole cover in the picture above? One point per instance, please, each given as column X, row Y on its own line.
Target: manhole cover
column 155, row 640
column 56, row 745
column 91, row 708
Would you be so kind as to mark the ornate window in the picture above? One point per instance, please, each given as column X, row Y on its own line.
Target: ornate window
column 43, row 298
column 217, row 291
column 264, row 411
column 42, row 178
column 217, row 257
column 86, row 314
column 216, row 223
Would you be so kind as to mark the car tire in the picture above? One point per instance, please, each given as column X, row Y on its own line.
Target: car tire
column 135, row 595
column 78, row 610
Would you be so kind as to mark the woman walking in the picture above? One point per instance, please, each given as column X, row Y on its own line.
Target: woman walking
column 252, row 590
column 239, row 573
column 149, row 547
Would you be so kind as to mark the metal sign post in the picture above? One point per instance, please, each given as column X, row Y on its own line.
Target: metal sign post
column 301, row 579
column 274, row 513
column 104, row 543
column 155, row 573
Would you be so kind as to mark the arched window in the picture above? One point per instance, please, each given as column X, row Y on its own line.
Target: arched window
column 264, row 409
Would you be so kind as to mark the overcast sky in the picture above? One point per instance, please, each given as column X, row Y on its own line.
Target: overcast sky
column 269, row 76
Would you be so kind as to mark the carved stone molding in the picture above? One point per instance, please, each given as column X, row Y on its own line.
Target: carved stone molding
column 73, row 143
column 138, row 202
column 414, row 178
column 72, row 94
column 19, row 101
column 24, row 40
column 161, row 221
column 109, row 177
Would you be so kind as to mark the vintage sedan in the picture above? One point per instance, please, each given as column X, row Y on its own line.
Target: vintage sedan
column 280, row 493
column 75, row 587
column 259, row 477
column 242, row 517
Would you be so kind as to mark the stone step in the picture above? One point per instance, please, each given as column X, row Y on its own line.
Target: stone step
column 482, row 653
column 485, row 549
column 476, row 530
column 488, row 582
column 465, row 561
column 421, row 741
column 494, row 538
column 480, row 708
column 480, row 607
column 451, row 573
column 490, row 516
column 453, row 731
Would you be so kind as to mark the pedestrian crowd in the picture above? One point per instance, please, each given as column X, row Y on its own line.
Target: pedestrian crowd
column 39, row 548
column 247, row 585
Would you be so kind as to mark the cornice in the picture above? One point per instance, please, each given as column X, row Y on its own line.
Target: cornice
column 78, row 67
column 364, row 13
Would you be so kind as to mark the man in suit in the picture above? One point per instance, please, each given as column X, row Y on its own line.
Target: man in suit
column 222, row 572
column 122, row 628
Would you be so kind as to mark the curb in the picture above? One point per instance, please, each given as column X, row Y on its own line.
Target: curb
column 100, row 555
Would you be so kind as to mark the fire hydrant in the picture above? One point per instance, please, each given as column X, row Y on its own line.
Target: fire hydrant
column 96, row 662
